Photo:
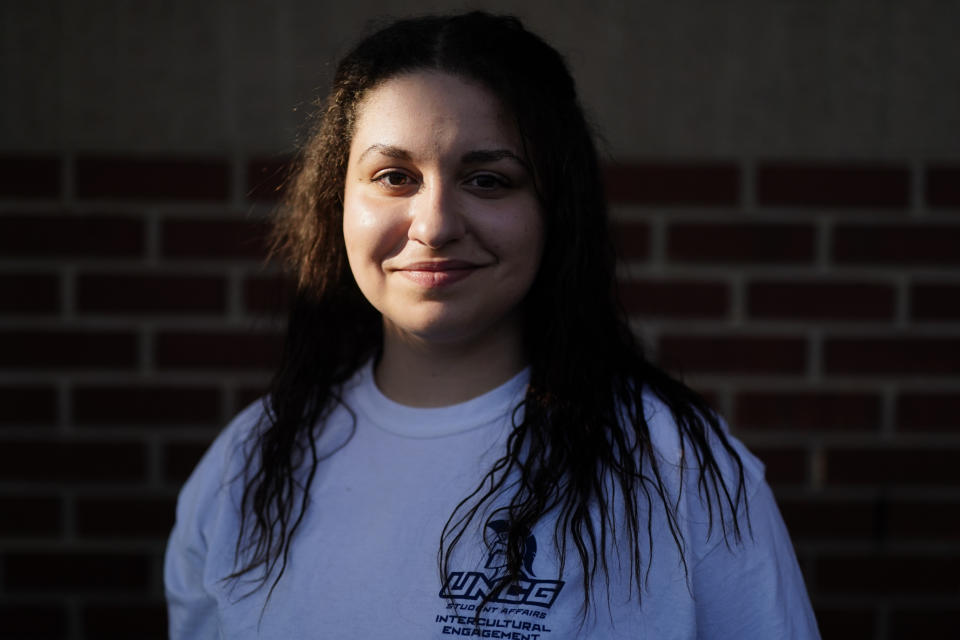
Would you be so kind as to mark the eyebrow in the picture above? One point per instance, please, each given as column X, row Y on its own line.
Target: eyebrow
column 491, row 155
column 477, row 156
column 388, row 150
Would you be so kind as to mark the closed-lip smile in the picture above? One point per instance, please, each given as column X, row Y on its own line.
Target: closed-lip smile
column 437, row 273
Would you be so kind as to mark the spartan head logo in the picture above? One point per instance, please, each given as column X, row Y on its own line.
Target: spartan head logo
column 497, row 560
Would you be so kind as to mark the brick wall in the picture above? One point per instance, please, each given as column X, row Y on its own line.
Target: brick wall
column 137, row 317
column 817, row 304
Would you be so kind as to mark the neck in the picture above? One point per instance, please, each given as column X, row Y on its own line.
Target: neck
column 420, row 373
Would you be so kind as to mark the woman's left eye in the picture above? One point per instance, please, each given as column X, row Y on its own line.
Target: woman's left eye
column 486, row 181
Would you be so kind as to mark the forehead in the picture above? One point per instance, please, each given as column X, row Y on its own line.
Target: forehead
column 432, row 109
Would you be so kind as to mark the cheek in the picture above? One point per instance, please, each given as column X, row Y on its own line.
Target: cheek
column 371, row 231
column 526, row 240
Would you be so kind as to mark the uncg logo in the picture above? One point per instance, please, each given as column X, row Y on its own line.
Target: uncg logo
column 529, row 590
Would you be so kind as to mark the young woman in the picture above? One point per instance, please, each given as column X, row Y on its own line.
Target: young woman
column 463, row 437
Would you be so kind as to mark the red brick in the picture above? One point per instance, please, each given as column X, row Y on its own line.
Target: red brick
column 266, row 178
column 903, row 244
column 830, row 519
column 152, row 178
column 675, row 298
column 632, row 240
column 848, row 624
column 67, row 350
column 29, row 293
column 898, row 466
column 154, row 294
column 250, row 350
column 59, row 570
column 146, row 405
column 33, row 516
column 179, row 459
column 123, row 621
column 33, row 621
column 892, row 356
column 928, row 411
column 716, row 184
column 54, row 461
column 923, row 623
column 74, row 236
column 926, row 520
column 141, row 516
column 747, row 243
column 882, row 574
column 215, row 239
column 267, row 294
column 29, row 177
column 784, row 466
column 733, row 354
column 943, row 187
column 824, row 185
column 935, row 301
column 28, row 405
column 820, row 300
column 806, row 410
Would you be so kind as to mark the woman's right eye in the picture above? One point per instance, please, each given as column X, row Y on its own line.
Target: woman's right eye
column 393, row 179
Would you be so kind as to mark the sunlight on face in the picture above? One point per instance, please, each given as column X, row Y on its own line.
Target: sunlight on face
column 442, row 224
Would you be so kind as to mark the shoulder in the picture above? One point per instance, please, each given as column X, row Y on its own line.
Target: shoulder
column 744, row 574
column 199, row 549
column 222, row 455
column 220, row 467
column 679, row 448
column 711, row 477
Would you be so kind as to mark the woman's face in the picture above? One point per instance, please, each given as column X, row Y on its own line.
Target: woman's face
column 441, row 220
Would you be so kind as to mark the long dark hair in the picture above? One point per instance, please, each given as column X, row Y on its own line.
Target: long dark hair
column 582, row 423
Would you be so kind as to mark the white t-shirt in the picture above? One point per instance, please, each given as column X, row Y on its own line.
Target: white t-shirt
column 363, row 563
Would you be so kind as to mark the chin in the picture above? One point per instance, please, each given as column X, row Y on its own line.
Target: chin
column 444, row 329
column 440, row 333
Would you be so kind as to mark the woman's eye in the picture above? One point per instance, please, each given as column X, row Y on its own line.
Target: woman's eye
column 394, row 179
column 486, row 181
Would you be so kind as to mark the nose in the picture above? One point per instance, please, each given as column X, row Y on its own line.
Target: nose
column 435, row 219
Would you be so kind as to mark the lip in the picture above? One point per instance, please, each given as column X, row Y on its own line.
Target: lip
column 437, row 273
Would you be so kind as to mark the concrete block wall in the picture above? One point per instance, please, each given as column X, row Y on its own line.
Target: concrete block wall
column 785, row 180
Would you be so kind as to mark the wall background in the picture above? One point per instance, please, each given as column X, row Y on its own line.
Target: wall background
column 786, row 183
